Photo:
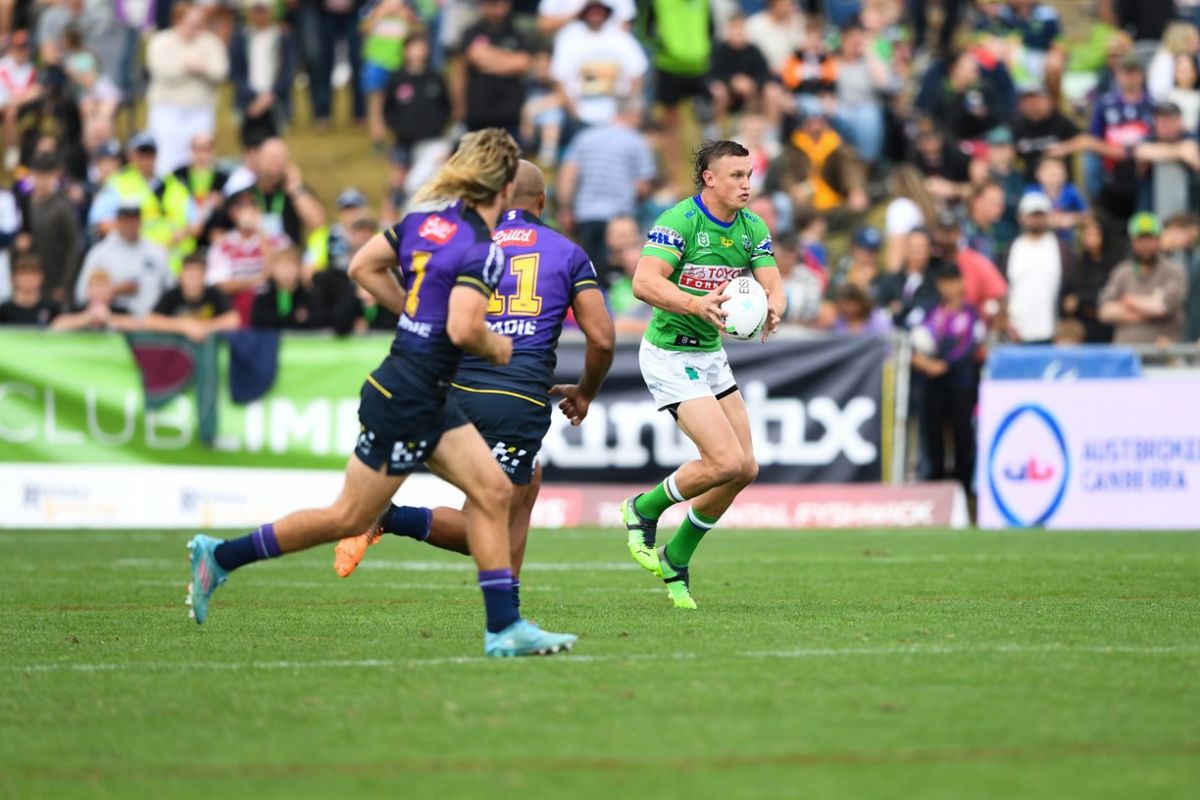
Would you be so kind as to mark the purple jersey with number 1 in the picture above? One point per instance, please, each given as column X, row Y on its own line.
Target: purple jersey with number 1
column 438, row 251
column 544, row 271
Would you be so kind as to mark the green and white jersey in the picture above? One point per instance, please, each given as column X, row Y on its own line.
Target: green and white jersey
column 705, row 253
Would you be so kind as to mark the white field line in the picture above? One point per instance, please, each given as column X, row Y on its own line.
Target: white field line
column 798, row 653
column 273, row 584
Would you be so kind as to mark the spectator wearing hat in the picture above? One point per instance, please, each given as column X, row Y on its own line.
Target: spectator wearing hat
column 187, row 66
column 19, row 87
column 1122, row 120
column 277, row 185
column 193, row 308
column 1040, row 271
column 1171, row 157
column 335, row 298
column 999, row 164
column 553, row 16
column 605, row 173
column 351, row 204
column 168, row 211
column 597, row 65
column 983, row 285
column 858, row 267
column 416, row 108
column 28, row 304
column 945, row 350
column 495, row 58
column 136, row 266
column 1145, row 295
column 53, row 223
column 262, row 67
column 1040, row 129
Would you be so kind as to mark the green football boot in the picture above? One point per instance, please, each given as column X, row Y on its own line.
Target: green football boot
column 677, row 579
column 641, row 536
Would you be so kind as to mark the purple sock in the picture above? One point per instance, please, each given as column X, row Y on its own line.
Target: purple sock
column 411, row 521
column 497, row 588
column 257, row 546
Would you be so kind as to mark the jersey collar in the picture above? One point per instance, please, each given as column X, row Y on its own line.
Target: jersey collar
column 707, row 213
column 520, row 215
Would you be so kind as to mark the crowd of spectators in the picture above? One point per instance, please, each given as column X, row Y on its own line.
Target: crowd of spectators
column 1051, row 169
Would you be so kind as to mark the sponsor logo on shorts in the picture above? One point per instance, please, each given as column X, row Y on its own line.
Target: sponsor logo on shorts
column 515, row 237
column 509, row 458
column 437, row 229
column 666, row 237
column 706, row 277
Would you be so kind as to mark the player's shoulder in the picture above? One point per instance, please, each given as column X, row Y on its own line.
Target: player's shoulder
column 440, row 224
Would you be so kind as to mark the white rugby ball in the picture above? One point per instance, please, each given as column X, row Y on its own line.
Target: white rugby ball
column 746, row 308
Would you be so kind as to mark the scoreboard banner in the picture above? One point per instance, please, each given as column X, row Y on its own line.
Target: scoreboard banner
column 815, row 407
column 815, row 413
column 1051, row 455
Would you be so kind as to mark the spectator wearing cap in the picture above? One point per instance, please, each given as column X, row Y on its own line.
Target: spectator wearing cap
column 53, row 222
column 818, row 171
column 1122, row 120
column 416, row 108
column 187, row 66
column 983, row 285
column 167, row 210
column 1041, row 272
column 277, row 185
column 999, row 164
column 335, row 298
column 553, row 16
column 909, row 293
column 262, row 67
column 597, row 65
column 351, row 204
column 137, row 266
column 19, row 88
column 193, row 308
column 28, row 304
column 1145, row 295
column 237, row 260
column 1040, row 129
column 1171, row 158
column 945, row 349
column 859, row 267
column 606, row 171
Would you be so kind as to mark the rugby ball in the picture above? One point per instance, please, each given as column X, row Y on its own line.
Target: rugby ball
column 746, row 308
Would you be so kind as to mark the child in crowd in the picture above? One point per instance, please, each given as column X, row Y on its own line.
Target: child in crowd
column 384, row 29
column 1066, row 199
column 27, row 306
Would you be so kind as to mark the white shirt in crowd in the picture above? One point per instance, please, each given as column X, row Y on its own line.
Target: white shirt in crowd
column 15, row 78
column 596, row 69
column 1034, row 280
column 263, row 58
column 141, row 261
column 902, row 217
column 774, row 40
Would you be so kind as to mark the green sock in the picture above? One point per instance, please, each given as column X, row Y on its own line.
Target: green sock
column 687, row 538
column 653, row 503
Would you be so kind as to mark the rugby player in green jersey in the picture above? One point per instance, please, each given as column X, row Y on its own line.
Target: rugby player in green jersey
column 691, row 253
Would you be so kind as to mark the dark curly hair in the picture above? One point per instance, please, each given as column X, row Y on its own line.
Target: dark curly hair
column 709, row 151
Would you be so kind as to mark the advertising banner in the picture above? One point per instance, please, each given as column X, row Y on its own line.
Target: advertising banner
column 1089, row 454
column 815, row 408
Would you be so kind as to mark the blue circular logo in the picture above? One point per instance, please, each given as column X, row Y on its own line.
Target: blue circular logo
column 1028, row 466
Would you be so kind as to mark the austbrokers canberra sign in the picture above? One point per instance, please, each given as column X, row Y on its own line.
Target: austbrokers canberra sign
column 1090, row 454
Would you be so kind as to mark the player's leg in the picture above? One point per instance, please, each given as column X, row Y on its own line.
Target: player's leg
column 463, row 459
column 366, row 491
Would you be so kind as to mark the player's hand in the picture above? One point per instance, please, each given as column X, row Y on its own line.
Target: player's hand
column 772, row 325
column 708, row 306
column 502, row 347
column 574, row 404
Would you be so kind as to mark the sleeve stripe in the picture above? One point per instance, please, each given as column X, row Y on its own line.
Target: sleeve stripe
column 671, row 250
column 390, row 235
column 587, row 282
column 474, row 283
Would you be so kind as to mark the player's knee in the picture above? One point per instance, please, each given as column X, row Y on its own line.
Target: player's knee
column 726, row 468
column 494, row 494
column 749, row 471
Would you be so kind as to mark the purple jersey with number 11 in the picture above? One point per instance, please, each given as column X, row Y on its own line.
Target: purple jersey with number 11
column 544, row 272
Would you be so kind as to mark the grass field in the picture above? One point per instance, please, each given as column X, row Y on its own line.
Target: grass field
column 860, row 665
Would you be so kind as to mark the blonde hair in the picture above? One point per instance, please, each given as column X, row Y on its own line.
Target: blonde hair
column 907, row 181
column 1178, row 37
column 484, row 163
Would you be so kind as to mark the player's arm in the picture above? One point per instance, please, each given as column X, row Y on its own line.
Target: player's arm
column 772, row 283
column 652, row 285
column 466, row 325
column 373, row 268
column 593, row 318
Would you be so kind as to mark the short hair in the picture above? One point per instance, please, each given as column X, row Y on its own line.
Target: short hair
column 196, row 259
column 852, row 293
column 1070, row 330
column 709, row 151
column 1184, row 219
column 27, row 262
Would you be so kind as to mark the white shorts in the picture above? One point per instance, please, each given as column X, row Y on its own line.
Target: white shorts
column 674, row 376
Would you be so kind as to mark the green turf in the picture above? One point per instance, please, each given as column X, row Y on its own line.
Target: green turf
column 863, row 665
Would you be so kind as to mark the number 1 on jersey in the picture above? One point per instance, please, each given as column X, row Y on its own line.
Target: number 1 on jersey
column 526, row 302
column 420, row 259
